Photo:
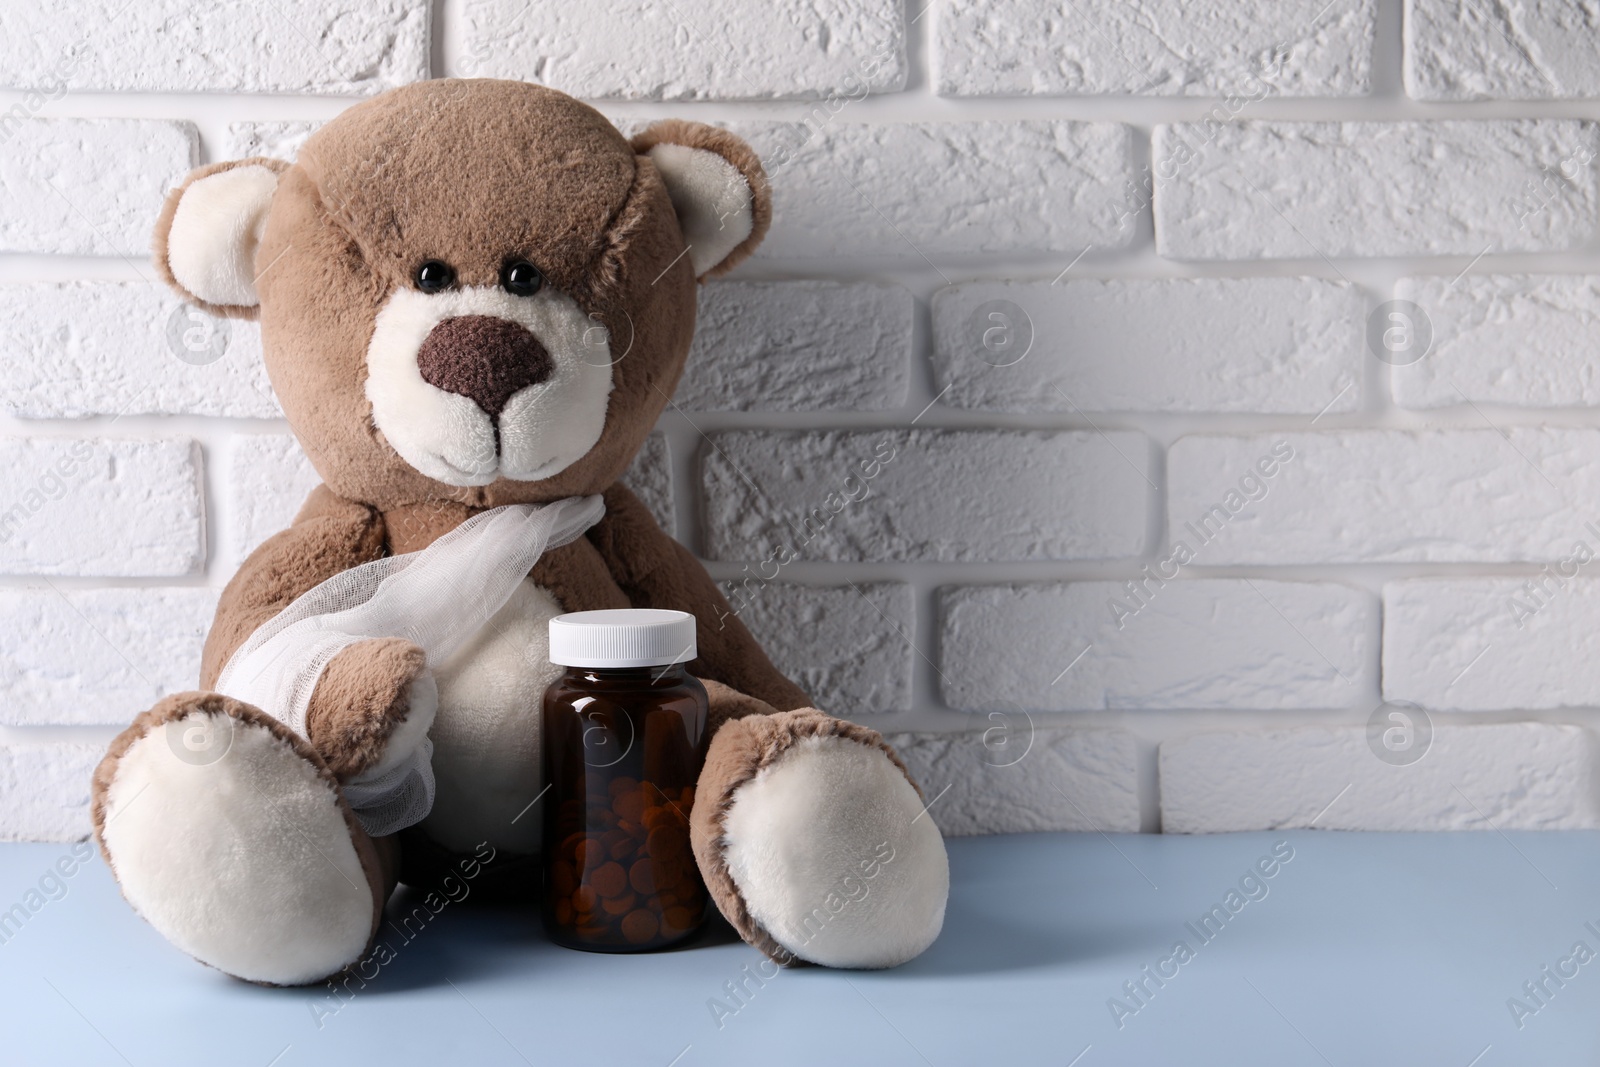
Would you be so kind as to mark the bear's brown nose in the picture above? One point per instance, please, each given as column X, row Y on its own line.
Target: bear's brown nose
column 484, row 358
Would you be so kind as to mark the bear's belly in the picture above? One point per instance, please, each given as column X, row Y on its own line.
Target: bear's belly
column 486, row 751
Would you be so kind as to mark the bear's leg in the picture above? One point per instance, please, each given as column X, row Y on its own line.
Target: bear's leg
column 815, row 844
column 229, row 835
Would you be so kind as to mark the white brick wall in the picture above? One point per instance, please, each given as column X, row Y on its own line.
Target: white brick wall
column 1217, row 643
column 1302, row 190
column 1513, row 339
column 287, row 46
column 948, row 496
column 74, row 349
column 1522, row 776
column 1446, row 496
column 1194, row 344
column 1540, row 50
column 86, row 187
column 722, row 50
column 1093, row 292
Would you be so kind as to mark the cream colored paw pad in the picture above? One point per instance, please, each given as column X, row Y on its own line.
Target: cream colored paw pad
column 232, row 846
column 834, row 857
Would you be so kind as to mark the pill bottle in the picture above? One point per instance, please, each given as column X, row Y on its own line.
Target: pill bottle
column 624, row 741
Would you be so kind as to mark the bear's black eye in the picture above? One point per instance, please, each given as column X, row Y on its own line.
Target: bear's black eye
column 434, row 276
column 521, row 278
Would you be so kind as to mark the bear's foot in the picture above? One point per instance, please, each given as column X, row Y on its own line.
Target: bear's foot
column 816, row 845
column 230, row 836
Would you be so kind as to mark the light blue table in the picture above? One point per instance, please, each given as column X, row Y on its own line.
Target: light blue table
column 1367, row 949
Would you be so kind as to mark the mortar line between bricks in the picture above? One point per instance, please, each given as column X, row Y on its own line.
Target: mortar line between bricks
column 1102, row 433
column 95, row 230
column 1297, row 630
column 112, row 644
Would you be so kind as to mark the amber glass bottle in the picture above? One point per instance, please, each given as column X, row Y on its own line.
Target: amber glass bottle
column 624, row 741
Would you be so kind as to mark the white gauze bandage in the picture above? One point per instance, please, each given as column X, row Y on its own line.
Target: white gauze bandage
column 436, row 599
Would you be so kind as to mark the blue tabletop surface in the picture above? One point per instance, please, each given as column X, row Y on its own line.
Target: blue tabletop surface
column 1360, row 949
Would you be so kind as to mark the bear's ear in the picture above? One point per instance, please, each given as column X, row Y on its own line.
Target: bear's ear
column 718, row 189
column 206, row 237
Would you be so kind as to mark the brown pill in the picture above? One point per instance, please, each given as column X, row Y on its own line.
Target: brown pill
column 653, row 817
column 639, row 926
column 624, row 849
column 686, row 797
column 642, row 876
column 609, row 880
column 670, row 872
column 586, row 853
column 564, row 912
column 619, row 905
column 584, row 898
column 563, row 878
column 621, row 784
column 570, row 843
column 629, row 805
column 678, row 919
column 667, row 841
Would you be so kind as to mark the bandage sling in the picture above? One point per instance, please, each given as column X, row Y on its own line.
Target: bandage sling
column 436, row 599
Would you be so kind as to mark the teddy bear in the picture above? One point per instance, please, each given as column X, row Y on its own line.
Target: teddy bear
column 475, row 299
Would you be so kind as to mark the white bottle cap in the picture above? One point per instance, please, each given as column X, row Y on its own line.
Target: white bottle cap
column 622, row 637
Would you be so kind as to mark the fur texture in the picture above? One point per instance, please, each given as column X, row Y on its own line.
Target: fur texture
column 219, row 237
column 228, row 833
column 362, row 698
column 420, row 409
column 834, row 858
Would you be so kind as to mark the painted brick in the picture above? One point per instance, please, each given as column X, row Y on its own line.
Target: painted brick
column 108, row 508
column 1509, row 776
column 97, row 656
column 44, row 790
column 1205, row 344
column 848, row 647
column 799, row 346
column 269, row 478
column 287, row 46
column 1206, row 643
column 1165, row 47
column 852, row 189
column 1017, row 778
column 650, row 477
column 279, row 140
column 714, row 50
column 1305, row 190
column 87, row 187
column 1375, row 496
column 115, row 348
column 1488, row 644
column 1514, row 340
column 932, row 495
column 1532, row 50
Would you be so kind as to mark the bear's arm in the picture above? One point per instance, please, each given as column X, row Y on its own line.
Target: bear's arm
column 328, row 537
column 654, row 571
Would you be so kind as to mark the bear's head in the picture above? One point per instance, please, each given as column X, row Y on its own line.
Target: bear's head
column 469, row 290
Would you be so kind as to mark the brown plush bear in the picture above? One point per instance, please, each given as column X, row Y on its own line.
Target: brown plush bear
column 475, row 294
